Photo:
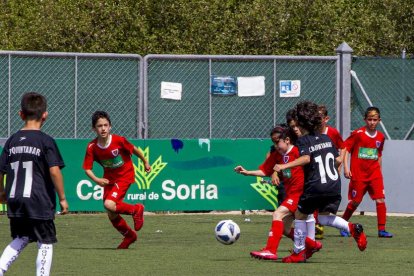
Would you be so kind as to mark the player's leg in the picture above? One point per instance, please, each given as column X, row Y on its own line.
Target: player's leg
column 300, row 233
column 331, row 205
column 44, row 259
column 45, row 235
column 121, row 225
column 376, row 192
column 113, row 202
column 275, row 235
column 21, row 231
column 12, row 252
column 357, row 190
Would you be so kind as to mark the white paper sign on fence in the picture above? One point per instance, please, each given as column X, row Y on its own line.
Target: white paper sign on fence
column 251, row 86
column 171, row 90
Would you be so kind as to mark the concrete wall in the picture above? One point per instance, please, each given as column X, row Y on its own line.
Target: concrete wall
column 398, row 172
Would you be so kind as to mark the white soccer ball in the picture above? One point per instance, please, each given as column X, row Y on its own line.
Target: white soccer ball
column 227, row 231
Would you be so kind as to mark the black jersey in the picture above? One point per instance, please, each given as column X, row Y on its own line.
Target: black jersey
column 321, row 174
column 26, row 159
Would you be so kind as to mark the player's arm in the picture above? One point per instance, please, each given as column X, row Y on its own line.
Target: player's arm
column 301, row 161
column 141, row 156
column 241, row 170
column 100, row 181
column 57, row 179
column 2, row 192
column 345, row 155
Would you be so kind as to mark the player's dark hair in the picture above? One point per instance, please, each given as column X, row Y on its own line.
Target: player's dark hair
column 323, row 110
column 33, row 105
column 308, row 116
column 371, row 109
column 100, row 115
column 285, row 132
column 291, row 116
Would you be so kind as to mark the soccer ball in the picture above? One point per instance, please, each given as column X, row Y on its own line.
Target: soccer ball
column 227, row 232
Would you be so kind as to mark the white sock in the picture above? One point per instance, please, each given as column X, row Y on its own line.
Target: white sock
column 299, row 235
column 12, row 251
column 310, row 225
column 334, row 221
column 44, row 259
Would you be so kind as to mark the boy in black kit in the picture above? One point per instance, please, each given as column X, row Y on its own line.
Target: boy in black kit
column 322, row 190
column 32, row 162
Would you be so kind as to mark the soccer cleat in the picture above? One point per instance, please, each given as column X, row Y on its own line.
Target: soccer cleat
column 357, row 231
column 319, row 232
column 384, row 234
column 129, row 238
column 309, row 251
column 296, row 257
column 138, row 216
column 344, row 233
column 264, row 254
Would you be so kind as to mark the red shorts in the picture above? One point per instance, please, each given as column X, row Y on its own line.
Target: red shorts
column 291, row 202
column 357, row 189
column 115, row 192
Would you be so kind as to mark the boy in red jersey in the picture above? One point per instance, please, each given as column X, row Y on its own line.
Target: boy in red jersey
column 365, row 146
column 283, row 139
column 113, row 153
column 336, row 138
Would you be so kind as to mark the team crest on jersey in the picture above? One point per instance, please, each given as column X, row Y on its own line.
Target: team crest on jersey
column 378, row 143
column 115, row 152
column 286, row 158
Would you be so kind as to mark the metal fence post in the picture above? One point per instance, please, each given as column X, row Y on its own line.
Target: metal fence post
column 344, row 52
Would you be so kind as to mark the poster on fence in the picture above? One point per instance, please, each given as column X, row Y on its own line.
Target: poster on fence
column 223, row 85
column 289, row 88
column 171, row 90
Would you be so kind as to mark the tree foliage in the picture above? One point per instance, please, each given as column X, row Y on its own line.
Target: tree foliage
column 235, row 27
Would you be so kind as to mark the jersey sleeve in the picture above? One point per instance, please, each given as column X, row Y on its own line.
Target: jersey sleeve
column 127, row 146
column 269, row 163
column 381, row 148
column 88, row 160
column 337, row 139
column 302, row 146
column 350, row 141
column 52, row 155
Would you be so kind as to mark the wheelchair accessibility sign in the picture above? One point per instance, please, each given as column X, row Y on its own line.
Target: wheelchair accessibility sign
column 289, row 88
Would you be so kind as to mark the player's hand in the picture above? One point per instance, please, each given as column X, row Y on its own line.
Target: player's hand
column 275, row 179
column 64, row 207
column 238, row 169
column 347, row 174
column 278, row 167
column 241, row 170
column 147, row 167
column 102, row 182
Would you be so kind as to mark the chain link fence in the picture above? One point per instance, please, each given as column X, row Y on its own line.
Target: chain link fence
column 199, row 114
column 75, row 86
column 389, row 85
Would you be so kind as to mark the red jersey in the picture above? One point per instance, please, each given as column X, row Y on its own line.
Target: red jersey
column 293, row 179
column 365, row 151
column 335, row 136
column 114, row 158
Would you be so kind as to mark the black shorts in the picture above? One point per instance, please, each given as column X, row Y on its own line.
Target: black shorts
column 307, row 205
column 43, row 231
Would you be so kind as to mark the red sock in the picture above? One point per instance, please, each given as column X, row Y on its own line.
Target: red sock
column 315, row 215
column 124, row 208
column 275, row 235
column 381, row 215
column 120, row 224
column 350, row 209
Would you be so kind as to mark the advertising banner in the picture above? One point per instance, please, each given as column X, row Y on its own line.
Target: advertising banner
column 187, row 175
